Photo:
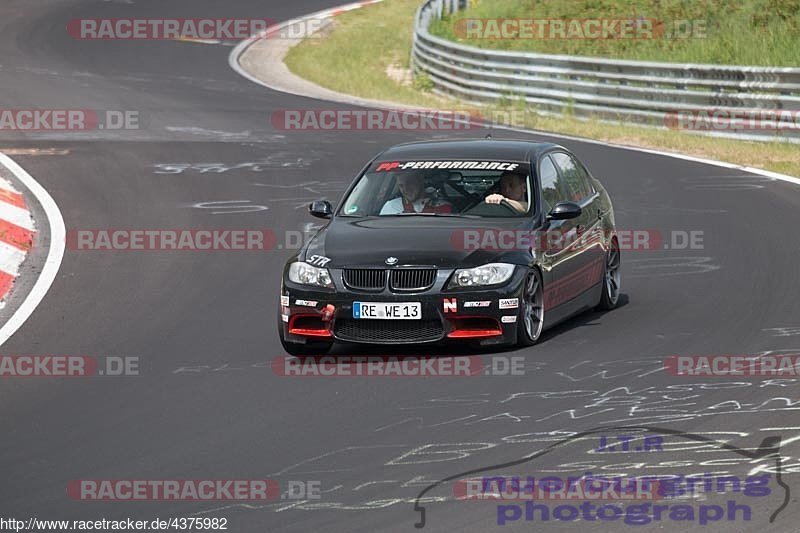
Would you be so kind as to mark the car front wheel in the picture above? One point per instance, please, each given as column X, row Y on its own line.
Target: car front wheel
column 611, row 278
column 531, row 319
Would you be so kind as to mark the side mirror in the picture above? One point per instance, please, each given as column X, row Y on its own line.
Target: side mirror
column 565, row 211
column 320, row 209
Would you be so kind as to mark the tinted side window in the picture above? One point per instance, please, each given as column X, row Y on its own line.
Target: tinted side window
column 553, row 192
column 577, row 181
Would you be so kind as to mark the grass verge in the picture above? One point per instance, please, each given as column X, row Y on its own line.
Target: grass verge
column 353, row 57
column 744, row 32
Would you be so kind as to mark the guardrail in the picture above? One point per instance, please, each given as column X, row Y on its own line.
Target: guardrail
column 652, row 93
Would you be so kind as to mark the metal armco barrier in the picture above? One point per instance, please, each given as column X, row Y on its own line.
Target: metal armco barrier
column 645, row 92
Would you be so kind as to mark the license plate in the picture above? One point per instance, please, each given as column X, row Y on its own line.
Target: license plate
column 388, row 311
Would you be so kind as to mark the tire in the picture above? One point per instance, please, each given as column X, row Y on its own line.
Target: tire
column 531, row 310
column 609, row 297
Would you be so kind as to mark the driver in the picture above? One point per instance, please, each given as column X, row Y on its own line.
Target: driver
column 512, row 189
column 413, row 197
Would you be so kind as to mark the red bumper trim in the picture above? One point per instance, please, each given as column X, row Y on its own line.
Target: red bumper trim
column 308, row 326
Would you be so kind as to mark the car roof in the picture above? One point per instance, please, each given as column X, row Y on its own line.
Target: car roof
column 472, row 149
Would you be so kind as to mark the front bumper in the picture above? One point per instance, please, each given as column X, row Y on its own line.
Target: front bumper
column 487, row 316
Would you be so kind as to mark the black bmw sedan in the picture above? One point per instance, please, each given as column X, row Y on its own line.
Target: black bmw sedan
column 482, row 241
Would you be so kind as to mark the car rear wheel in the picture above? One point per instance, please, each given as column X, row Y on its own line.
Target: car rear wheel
column 531, row 310
column 611, row 278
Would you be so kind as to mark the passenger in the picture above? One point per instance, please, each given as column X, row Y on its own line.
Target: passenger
column 414, row 198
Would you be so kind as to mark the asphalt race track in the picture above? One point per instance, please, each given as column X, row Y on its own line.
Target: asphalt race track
column 207, row 405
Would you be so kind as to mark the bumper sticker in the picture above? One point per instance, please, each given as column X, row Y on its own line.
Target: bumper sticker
column 509, row 303
column 450, row 305
column 485, row 303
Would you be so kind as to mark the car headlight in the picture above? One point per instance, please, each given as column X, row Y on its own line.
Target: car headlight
column 491, row 274
column 306, row 274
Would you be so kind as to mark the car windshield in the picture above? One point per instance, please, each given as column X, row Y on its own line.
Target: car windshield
column 442, row 188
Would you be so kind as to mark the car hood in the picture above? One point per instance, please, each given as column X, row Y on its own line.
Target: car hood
column 412, row 240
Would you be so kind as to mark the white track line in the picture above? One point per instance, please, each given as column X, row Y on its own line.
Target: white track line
column 54, row 255
column 238, row 50
column 694, row 159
